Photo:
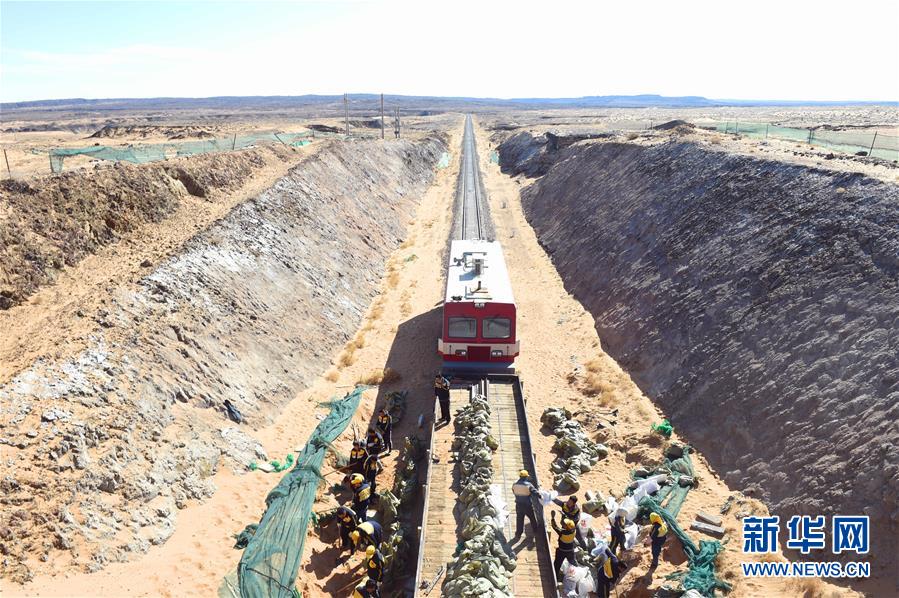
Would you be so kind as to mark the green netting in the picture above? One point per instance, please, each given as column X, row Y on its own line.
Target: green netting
column 884, row 145
column 700, row 575
column 672, row 496
column 268, row 567
column 444, row 160
column 667, row 502
column 140, row 154
column 664, row 428
column 132, row 153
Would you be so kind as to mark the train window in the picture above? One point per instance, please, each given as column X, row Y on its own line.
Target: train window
column 497, row 327
column 462, row 328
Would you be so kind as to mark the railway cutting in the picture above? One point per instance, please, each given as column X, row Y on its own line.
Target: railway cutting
column 478, row 345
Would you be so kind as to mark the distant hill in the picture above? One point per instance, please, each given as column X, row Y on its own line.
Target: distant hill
column 421, row 104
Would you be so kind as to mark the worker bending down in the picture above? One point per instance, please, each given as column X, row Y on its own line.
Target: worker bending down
column 367, row 533
column 565, row 549
column 367, row 589
column 608, row 573
column 361, row 495
column 618, row 535
column 523, row 490
column 374, row 564
column 357, row 456
column 571, row 510
column 371, row 469
column 658, row 534
column 346, row 522
column 385, row 427
column 374, row 444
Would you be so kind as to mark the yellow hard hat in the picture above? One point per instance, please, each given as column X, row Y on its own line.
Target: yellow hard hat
column 523, row 473
column 568, row 523
column 356, row 479
column 354, row 536
column 370, row 551
column 655, row 518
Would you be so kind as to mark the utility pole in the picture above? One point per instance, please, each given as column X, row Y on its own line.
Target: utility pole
column 396, row 124
column 382, row 117
column 346, row 115
column 870, row 151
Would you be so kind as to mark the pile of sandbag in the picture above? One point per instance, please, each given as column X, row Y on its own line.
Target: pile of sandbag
column 482, row 566
column 396, row 405
column 577, row 452
column 577, row 581
column 390, row 506
column 405, row 485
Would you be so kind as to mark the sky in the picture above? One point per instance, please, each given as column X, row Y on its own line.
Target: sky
column 764, row 49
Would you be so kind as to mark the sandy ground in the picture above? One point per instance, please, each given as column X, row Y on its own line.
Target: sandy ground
column 52, row 321
column 400, row 331
column 27, row 152
column 632, row 125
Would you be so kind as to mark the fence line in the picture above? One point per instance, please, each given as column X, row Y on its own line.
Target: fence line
column 143, row 153
column 865, row 143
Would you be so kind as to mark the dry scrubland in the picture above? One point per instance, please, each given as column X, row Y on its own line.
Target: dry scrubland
column 246, row 276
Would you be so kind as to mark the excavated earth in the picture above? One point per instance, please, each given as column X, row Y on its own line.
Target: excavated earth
column 53, row 222
column 102, row 449
column 757, row 301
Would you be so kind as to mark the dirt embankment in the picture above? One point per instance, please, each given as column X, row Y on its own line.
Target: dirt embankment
column 52, row 222
column 103, row 449
column 756, row 301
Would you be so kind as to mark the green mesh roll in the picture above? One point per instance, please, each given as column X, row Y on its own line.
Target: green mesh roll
column 269, row 565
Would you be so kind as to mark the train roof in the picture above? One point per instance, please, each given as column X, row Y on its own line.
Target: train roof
column 464, row 283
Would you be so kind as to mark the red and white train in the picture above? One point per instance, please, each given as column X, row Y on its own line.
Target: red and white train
column 478, row 310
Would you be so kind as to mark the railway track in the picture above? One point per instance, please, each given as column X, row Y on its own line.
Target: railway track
column 439, row 534
column 533, row 576
column 470, row 199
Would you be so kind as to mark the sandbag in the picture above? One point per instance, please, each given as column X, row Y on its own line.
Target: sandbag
column 547, row 497
column 577, row 581
column 631, row 531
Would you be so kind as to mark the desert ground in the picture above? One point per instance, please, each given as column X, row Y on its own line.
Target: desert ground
column 121, row 473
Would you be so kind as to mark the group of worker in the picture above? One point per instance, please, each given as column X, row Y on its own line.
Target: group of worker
column 609, row 566
column 357, row 531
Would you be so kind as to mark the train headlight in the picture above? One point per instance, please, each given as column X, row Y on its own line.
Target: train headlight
column 461, row 352
column 496, row 353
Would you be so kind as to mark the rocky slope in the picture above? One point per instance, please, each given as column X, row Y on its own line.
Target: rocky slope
column 102, row 449
column 757, row 301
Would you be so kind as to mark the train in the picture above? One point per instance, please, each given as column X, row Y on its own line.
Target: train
column 479, row 312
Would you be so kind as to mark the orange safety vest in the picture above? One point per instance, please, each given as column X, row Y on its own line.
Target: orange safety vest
column 373, row 465
column 375, row 567
column 571, row 513
column 363, row 493
column 607, row 568
column 566, row 539
column 346, row 521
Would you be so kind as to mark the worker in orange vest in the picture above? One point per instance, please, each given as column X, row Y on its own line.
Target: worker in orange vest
column 567, row 538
